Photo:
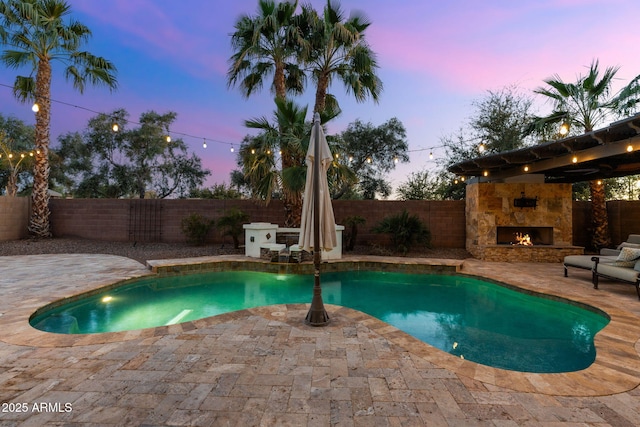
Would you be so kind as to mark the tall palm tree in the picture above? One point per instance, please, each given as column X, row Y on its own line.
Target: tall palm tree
column 587, row 103
column 35, row 35
column 339, row 49
column 267, row 44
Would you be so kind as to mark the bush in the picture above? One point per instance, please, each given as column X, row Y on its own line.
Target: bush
column 405, row 231
column 232, row 223
column 196, row 227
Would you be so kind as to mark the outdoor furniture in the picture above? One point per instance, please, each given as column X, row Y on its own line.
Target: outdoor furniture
column 628, row 272
column 606, row 256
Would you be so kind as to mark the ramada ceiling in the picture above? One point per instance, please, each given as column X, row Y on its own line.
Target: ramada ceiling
column 610, row 152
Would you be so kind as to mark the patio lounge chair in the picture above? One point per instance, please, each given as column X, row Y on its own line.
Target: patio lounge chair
column 623, row 271
column 606, row 256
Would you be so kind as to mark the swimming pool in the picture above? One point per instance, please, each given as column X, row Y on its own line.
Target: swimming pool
column 470, row 318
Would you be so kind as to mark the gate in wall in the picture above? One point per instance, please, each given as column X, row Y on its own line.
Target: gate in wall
column 145, row 220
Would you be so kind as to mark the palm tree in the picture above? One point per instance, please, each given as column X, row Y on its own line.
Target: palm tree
column 267, row 44
column 36, row 35
column 338, row 48
column 586, row 104
column 287, row 136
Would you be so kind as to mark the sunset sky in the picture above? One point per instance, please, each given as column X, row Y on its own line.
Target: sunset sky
column 435, row 59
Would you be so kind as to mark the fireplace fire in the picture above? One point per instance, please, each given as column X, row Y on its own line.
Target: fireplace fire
column 524, row 236
column 523, row 239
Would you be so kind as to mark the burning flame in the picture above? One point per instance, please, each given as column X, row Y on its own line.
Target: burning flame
column 523, row 239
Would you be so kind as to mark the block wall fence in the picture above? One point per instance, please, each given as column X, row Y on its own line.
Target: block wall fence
column 144, row 220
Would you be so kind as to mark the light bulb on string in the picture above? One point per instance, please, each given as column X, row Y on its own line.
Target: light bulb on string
column 395, row 160
column 253, row 151
column 115, row 127
column 232, row 149
column 369, row 160
column 431, row 155
column 481, row 147
column 168, row 138
column 35, row 108
column 204, row 143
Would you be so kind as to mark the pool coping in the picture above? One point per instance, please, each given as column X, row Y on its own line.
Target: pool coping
column 615, row 370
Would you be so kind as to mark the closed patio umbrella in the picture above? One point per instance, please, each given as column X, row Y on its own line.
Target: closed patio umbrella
column 318, row 225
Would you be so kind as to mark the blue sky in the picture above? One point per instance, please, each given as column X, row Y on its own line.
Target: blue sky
column 435, row 59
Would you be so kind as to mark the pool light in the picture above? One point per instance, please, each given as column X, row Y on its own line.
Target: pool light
column 107, row 298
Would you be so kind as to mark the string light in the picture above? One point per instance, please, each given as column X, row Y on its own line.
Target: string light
column 35, row 108
column 629, row 148
column 116, row 128
column 481, row 147
column 526, row 168
column 575, row 159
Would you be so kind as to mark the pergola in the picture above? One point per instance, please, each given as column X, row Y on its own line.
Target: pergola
column 610, row 152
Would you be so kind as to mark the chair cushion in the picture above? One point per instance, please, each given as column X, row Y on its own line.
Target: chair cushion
column 634, row 238
column 584, row 261
column 625, row 274
column 627, row 257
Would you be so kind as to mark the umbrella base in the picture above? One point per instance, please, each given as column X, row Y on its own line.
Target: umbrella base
column 317, row 316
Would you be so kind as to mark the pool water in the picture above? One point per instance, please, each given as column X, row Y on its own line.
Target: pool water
column 470, row 318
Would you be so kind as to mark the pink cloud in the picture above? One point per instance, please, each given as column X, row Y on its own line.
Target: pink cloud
column 471, row 49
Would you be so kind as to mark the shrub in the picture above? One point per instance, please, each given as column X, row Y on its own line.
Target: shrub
column 405, row 231
column 196, row 227
column 232, row 223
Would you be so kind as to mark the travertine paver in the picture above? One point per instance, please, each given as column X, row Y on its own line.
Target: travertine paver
column 265, row 367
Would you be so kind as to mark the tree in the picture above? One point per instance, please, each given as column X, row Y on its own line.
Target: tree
column 339, row 49
column 418, row 186
column 36, row 34
column 217, row 191
column 16, row 154
column 133, row 162
column 500, row 122
column 287, row 133
column 585, row 104
column 370, row 152
column 266, row 44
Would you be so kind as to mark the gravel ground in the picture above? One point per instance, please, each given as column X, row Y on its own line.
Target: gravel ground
column 147, row 251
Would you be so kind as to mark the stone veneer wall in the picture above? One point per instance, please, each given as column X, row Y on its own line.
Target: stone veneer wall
column 490, row 205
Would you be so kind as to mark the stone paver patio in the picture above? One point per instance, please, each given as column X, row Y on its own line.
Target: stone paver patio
column 265, row 367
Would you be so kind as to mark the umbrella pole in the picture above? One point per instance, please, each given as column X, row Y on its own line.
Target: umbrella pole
column 317, row 315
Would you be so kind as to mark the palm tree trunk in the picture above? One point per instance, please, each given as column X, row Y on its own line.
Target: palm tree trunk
column 292, row 201
column 39, row 221
column 599, row 218
column 321, row 93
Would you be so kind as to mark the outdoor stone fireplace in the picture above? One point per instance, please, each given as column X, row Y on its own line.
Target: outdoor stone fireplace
column 524, row 221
